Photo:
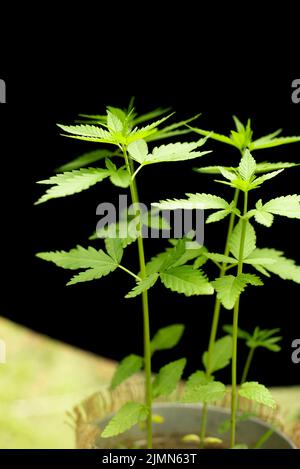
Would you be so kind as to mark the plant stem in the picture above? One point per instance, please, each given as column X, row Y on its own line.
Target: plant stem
column 129, row 272
column 216, row 317
column 247, row 365
column 265, row 436
column 146, row 321
column 235, row 329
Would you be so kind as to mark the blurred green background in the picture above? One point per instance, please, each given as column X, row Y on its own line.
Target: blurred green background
column 42, row 380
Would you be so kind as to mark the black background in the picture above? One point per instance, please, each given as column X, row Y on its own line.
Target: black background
column 95, row 316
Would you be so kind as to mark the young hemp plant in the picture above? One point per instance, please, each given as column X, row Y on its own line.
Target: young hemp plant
column 241, row 138
column 129, row 153
column 242, row 254
column 260, row 338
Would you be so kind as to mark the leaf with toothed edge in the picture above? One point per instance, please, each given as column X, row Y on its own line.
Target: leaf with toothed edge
column 72, row 182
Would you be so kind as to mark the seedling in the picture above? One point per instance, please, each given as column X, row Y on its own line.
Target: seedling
column 240, row 253
column 264, row 338
column 130, row 153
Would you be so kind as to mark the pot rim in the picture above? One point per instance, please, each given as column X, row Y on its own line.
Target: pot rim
column 226, row 413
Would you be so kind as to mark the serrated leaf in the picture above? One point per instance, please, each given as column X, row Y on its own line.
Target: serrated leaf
column 221, row 356
column 258, row 393
column 167, row 337
column 214, row 136
column 217, row 216
column 229, row 288
column 247, row 166
column 198, row 378
column 238, row 124
column 166, row 380
column 156, row 263
column 138, row 150
column 144, row 132
column 251, row 279
column 118, row 230
column 185, row 279
column 126, row 368
column 91, row 133
column 130, row 414
column 240, row 333
column 210, row 392
column 114, row 122
column 166, row 153
column 172, row 257
column 235, row 240
column 175, row 152
column 172, row 130
column 262, row 216
column 281, row 266
column 154, row 220
column 266, row 138
column 98, row 263
column 85, row 160
column 287, row 206
column 72, row 182
column 79, row 258
column 210, row 169
column 122, row 116
column 87, row 276
column 266, row 167
column 193, row 201
column 143, row 285
column 263, row 338
column 260, row 180
column 255, row 260
column 227, row 174
column 120, row 177
column 221, row 258
column 114, row 249
column 273, row 142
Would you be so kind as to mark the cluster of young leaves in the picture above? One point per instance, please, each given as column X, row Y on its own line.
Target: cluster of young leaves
column 201, row 385
column 133, row 120
column 242, row 137
column 174, row 271
column 229, row 287
column 170, row 266
column 265, row 338
column 118, row 131
column 119, row 124
column 164, row 383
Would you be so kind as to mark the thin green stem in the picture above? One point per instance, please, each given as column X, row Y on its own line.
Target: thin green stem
column 216, row 317
column 265, row 436
column 247, row 365
column 136, row 172
column 235, row 329
column 129, row 272
column 146, row 321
